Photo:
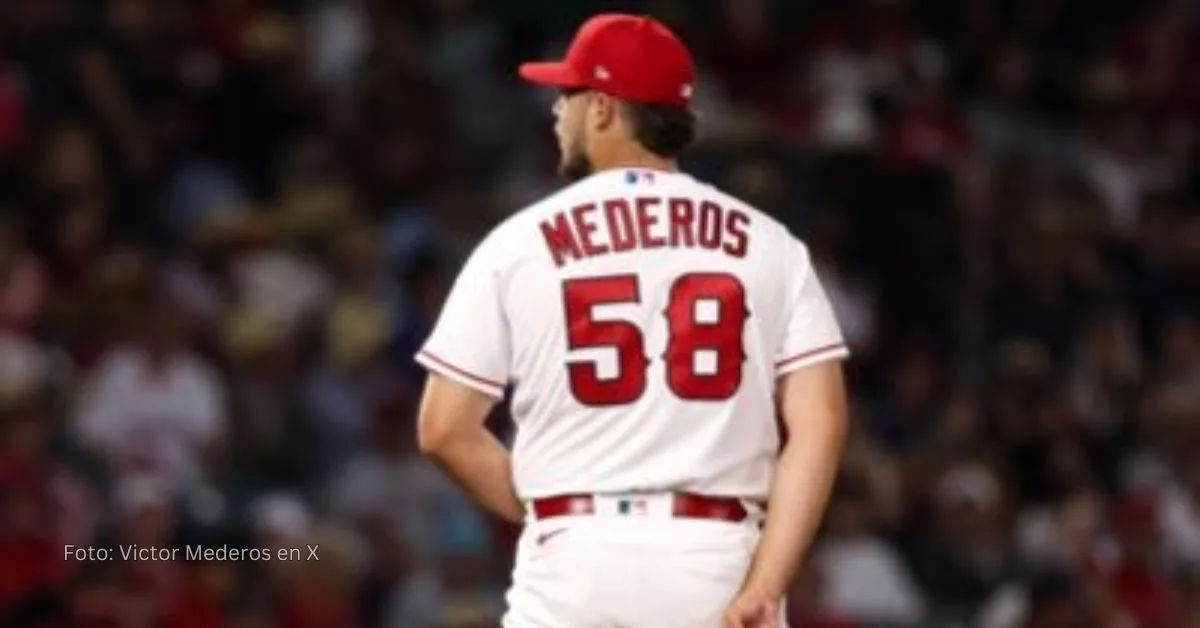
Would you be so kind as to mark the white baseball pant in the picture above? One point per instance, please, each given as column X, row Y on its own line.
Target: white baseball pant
column 629, row 564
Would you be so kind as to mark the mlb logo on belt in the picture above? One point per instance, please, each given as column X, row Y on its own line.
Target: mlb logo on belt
column 631, row 507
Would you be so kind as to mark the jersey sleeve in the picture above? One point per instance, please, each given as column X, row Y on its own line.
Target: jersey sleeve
column 810, row 330
column 470, row 341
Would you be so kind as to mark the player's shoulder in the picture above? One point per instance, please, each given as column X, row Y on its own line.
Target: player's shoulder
column 510, row 232
column 785, row 247
column 761, row 221
column 505, row 243
column 587, row 189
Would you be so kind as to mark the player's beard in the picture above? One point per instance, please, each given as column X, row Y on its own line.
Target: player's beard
column 575, row 166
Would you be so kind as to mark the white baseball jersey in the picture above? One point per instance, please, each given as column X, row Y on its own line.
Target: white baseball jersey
column 641, row 318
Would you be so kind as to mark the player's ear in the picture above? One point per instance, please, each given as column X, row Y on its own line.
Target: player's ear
column 605, row 110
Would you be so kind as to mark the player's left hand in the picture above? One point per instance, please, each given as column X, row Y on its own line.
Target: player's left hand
column 751, row 609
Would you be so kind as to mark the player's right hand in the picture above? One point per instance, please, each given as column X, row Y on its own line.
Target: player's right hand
column 752, row 610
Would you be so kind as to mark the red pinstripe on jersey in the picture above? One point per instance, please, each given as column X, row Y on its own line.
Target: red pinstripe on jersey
column 810, row 354
column 478, row 379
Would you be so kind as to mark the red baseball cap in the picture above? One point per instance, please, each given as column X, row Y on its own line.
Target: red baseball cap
column 632, row 57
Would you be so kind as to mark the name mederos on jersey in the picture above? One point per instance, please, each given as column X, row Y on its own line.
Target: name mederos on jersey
column 634, row 223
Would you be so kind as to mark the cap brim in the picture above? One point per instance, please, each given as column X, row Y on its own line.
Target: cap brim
column 550, row 73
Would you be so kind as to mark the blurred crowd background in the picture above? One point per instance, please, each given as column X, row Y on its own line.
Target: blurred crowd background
column 227, row 224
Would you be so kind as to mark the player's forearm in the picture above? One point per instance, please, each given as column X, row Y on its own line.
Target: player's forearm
column 799, row 494
column 480, row 464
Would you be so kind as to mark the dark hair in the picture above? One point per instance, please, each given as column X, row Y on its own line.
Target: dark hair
column 664, row 131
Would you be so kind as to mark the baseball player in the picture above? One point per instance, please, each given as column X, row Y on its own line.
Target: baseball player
column 650, row 329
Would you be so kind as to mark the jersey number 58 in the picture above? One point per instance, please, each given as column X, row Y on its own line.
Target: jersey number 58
column 706, row 314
